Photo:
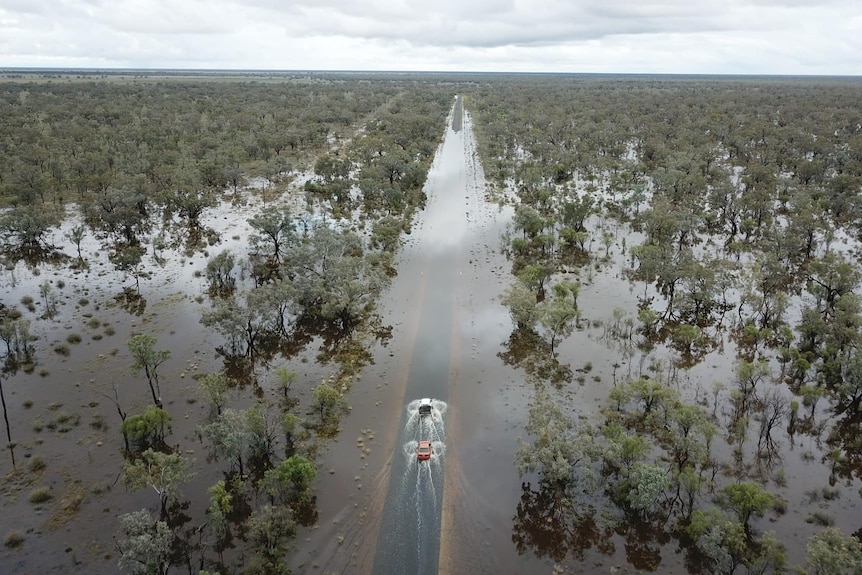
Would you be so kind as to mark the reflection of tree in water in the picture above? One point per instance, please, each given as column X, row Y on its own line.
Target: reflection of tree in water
column 845, row 439
column 548, row 524
column 644, row 541
column 16, row 353
column 527, row 350
column 349, row 347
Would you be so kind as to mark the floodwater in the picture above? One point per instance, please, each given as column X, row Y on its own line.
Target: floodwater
column 380, row 510
column 448, row 329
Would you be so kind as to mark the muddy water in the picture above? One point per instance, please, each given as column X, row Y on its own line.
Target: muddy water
column 380, row 510
column 448, row 327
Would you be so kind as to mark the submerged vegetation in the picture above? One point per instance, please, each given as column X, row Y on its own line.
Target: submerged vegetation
column 728, row 208
column 330, row 174
column 732, row 208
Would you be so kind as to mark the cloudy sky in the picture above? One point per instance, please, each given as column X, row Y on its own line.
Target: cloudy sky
column 613, row 36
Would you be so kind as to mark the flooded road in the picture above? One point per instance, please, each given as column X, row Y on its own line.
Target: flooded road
column 410, row 527
column 448, row 325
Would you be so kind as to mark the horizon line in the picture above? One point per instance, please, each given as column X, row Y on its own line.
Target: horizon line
column 261, row 71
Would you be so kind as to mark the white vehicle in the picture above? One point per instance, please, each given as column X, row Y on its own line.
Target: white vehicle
column 425, row 406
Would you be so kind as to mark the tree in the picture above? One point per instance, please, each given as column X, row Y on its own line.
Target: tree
column 219, row 508
column 534, row 277
column 220, row 275
column 720, row 539
column 647, row 487
column 146, row 429
column 243, row 437
column 121, row 214
column 230, row 438
column 749, row 376
column 334, row 279
column 164, row 472
column 290, row 424
column 522, row 306
column 245, row 324
column 148, row 359
column 830, row 552
column 386, row 234
column 23, row 230
column 76, row 236
column 286, row 378
column 329, row 404
column 215, row 386
column 145, row 544
column 276, row 231
column 747, row 500
column 557, row 315
column 553, row 451
column 190, row 202
column 291, row 480
column 128, row 260
column 15, row 333
column 235, row 178
column 270, row 529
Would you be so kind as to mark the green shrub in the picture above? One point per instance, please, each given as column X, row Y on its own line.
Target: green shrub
column 148, row 428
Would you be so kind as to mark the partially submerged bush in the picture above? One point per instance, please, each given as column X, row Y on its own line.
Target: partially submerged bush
column 40, row 495
column 13, row 539
column 146, row 429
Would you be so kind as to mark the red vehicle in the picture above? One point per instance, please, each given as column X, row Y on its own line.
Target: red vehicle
column 423, row 451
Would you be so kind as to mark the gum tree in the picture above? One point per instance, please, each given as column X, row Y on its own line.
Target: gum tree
column 148, row 359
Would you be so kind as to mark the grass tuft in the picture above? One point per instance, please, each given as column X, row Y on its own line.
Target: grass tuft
column 40, row 495
column 13, row 539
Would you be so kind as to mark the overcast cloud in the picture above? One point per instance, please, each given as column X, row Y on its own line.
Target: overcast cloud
column 613, row 36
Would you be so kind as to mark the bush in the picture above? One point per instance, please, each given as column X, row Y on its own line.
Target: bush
column 147, row 429
column 73, row 338
column 37, row 464
column 13, row 539
column 61, row 349
column 40, row 495
column 820, row 518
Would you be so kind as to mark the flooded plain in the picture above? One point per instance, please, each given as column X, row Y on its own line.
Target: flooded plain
column 380, row 510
